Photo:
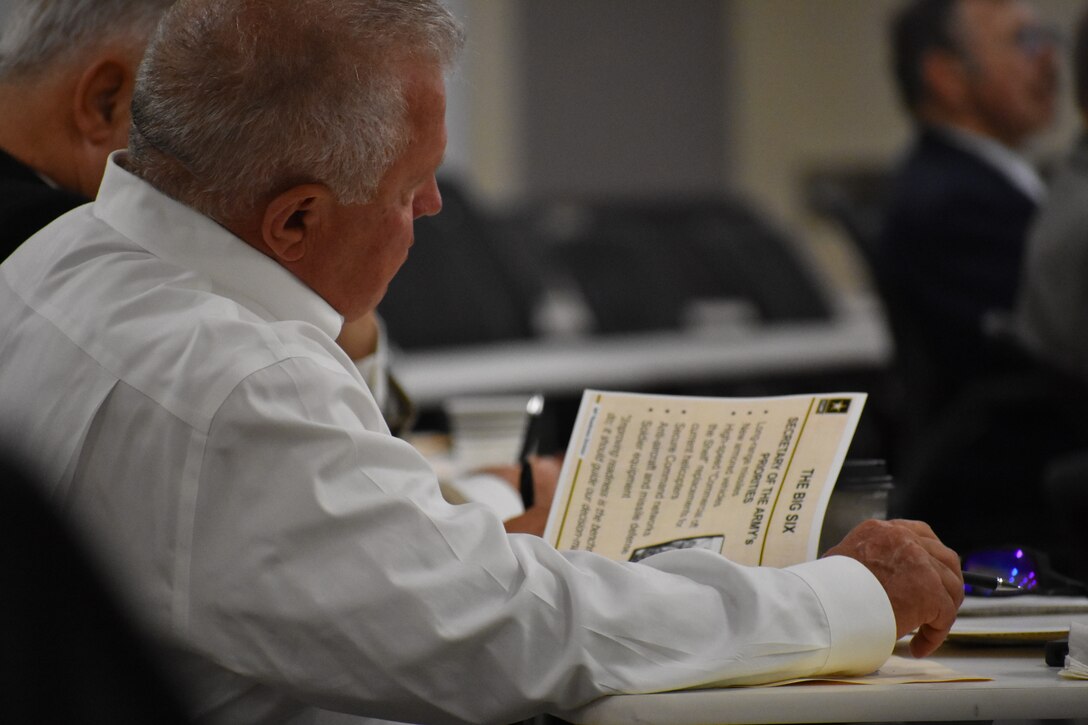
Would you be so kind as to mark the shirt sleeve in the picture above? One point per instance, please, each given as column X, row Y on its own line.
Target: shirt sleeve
column 326, row 564
column 859, row 615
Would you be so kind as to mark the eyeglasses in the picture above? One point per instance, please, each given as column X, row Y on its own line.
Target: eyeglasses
column 1025, row 567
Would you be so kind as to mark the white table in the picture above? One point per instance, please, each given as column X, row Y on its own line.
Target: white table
column 856, row 337
column 1023, row 687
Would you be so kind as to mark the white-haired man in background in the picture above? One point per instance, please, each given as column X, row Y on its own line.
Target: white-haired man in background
column 171, row 351
column 67, row 68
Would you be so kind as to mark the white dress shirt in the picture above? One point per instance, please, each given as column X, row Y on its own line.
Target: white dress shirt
column 195, row 415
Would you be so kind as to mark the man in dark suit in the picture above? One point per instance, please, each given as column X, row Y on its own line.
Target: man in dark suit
column 979, row 418
column 66, row 74
column 979, row 77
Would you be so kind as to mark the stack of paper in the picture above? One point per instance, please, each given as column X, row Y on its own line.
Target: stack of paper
column 1019, row 619
column 1076, row 662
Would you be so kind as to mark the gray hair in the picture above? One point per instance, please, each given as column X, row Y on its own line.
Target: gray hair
column 238, row 100
column 36, row 34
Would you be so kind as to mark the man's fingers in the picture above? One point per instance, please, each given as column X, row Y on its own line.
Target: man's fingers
column 952, row 580
column 938, row 612
column 926, row 641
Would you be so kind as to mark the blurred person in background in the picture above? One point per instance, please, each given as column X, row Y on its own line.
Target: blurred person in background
column 67, row 68
column 994, row 269
column 979, row 78
column 1051, row 315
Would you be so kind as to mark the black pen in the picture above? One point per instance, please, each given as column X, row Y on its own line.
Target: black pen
column 528, row 447
column 993, row 583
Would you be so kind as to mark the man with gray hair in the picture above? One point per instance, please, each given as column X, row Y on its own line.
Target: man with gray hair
column 67, row 68
column 170, row 349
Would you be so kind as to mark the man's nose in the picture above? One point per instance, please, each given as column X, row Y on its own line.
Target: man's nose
column 429, row 201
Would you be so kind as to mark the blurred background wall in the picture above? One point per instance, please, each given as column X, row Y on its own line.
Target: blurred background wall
column 636, row 98
column 645, row 97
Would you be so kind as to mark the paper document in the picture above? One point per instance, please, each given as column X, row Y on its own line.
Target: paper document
column 1076, row 661
column 895, row 671
column 1022, row 604
column 1010, row 629
column 749, row 478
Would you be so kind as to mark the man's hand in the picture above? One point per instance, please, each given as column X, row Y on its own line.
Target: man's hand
column 545, row 477
column 920, row 574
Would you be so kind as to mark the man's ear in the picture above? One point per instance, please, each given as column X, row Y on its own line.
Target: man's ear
column 102, row 98
column 293, row 221
column 946, row 78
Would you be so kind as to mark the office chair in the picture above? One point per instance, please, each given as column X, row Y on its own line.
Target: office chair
column 854, row 201
column 635, row 275
column 457, row 287
column 642, row 264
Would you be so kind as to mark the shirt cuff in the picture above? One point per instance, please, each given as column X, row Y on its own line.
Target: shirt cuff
column 859, row 615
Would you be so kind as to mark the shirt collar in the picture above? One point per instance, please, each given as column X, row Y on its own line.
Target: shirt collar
column 176, row 233
column 1007, row 162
